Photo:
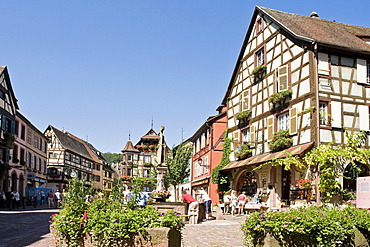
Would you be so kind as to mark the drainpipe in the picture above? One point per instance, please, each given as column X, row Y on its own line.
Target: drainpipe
column 318, row 197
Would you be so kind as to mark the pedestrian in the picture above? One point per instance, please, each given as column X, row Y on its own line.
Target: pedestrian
column 64, row 195
column 193, row 207
column 16, row 198
column 227, row 202
column 234, row 202
column 42, row 195
column 241, row 202
column 143, row 198
column 127, row 195
column 58, row 198
column 207, row 203
column 50, row 199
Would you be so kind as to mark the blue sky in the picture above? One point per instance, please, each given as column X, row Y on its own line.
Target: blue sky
column 102, row 69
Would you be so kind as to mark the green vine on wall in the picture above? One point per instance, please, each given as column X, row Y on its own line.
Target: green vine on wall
column 220, row 178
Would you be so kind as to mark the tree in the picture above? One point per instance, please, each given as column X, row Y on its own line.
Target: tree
column 178, row 166
column 112, row 158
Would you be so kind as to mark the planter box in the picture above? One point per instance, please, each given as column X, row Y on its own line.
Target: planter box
column 359, row 241
column 156, row 237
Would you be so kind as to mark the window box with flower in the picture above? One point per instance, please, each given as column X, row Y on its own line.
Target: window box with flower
column 280, row 97
column 259, row 73
column 244, row 115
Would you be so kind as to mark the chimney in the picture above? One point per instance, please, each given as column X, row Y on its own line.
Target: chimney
column 314, row 15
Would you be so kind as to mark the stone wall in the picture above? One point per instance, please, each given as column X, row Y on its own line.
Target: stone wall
column 156, row 237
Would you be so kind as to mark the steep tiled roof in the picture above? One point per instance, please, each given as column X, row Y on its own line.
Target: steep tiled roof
column 322, row 31
column 129, row 147
column 71, row 144
column 91, row 153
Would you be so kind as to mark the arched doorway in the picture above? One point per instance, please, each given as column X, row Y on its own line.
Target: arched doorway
column 14, row 181
column 248, row 183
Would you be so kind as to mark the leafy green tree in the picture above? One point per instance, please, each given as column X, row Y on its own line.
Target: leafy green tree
column 112, row 157
column 178, row 165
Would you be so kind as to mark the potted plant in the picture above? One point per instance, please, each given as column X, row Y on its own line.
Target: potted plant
column 160, row 195
column 280, row 96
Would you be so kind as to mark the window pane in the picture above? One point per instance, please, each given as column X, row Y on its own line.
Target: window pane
column 283, row 121
column 324, row 113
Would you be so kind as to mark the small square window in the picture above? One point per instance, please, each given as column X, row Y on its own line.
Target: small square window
column 260, row 57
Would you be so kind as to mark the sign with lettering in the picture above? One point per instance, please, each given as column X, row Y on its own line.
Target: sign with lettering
column 363, row 192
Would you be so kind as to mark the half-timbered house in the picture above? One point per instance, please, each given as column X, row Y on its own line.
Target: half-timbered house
column 8, row 107
column 298, row 82
column 67, row 158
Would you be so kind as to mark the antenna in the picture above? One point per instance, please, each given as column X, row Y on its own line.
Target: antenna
column 129, row 135
column 152, row 122
column 87, row 138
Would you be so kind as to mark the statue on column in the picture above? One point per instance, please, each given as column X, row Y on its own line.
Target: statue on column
column 160, row 161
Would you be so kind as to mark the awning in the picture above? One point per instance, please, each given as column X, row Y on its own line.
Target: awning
column 254, row 160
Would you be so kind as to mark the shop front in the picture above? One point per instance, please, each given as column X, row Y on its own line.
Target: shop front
column 272, row 186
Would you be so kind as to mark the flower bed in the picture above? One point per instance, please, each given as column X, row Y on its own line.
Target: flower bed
column 312, row 226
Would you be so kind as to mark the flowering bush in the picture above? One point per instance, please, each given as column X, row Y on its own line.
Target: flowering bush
column 161, row 193
column 107, row 221
column 304, row 183
column 312, row 226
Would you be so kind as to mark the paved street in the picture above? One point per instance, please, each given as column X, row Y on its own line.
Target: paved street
column 30, row 227
column 25, row 227
column 215, row 233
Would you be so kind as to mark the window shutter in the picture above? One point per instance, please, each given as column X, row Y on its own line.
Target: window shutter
column 282, row 78
column 363, row 111
column 236, row 137
column 3, row 122
column 293, row 121
column 253, row 136
column 12, row 128
column 270, row 128
column 245, row 100
column 361, row 71
column 323, row 64
column 336, row 114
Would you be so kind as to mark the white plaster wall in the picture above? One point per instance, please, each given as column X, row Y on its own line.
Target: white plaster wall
column 325, row 135
column 356, row 90
column 348, row 108
column 348, row 121
column 346, row 73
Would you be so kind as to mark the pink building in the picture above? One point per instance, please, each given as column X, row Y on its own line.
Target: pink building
column 207, row 153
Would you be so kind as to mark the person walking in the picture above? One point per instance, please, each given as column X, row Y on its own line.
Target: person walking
column 58, row 198
column 16, row 199
column 241, row 202
column 207, row 203
column 42, row 196
column 193, row 207
column 50, row 199
column 227, row 202
column 234, row 202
